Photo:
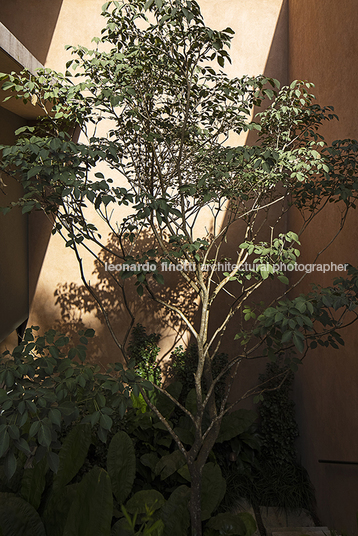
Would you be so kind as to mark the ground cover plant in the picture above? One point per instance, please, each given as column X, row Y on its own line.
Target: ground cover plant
column 171, row 162
column 276, row 478
column 83, row 457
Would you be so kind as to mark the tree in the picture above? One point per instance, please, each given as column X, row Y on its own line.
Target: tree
column 171, row 161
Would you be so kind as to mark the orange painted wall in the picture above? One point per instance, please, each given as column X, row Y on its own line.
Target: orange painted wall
column 323, row 48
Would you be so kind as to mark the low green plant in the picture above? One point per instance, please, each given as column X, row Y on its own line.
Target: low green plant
column 277, row 478
column 103, row 501
column 148, row 526
column 83, row 454
column 278, row 425
column 144, row 350
column 184, row 363
column 46, row 386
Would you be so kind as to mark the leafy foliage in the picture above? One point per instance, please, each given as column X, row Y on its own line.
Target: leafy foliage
column 46, row 389
column 184, row 363
column 144, row 350
column 277, row 416
column 111, row 487
column 276, row 478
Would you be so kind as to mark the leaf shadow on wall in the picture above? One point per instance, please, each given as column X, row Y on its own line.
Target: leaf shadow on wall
column 123, row 306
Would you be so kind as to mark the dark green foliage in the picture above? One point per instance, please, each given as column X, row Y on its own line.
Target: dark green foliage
column 46, row 388
column 91, row 512
column 278, row 425
column 121, row 465
column 285, row 486
column 18, row 517
column 94, row 460
column 72, row 454
column 144, row 350
column 145, row 491
column 238, row 457
column 276, row 477
column 184, row 363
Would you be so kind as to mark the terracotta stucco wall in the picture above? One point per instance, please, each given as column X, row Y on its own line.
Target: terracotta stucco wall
column 323, row 48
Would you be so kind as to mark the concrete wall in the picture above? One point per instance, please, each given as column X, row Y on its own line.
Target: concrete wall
column 323, row 48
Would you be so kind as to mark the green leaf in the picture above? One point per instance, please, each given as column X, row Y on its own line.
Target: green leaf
column 27, row 208
column 286, row 337
column 213, row 488
column 169, row 464
column 92, row 509
column 72, row 454
column 150, row 460
column 228, row 525
column 147, row 385
column 148, row 4
column 301, row 306
column 10, row 464
column 122, row 528
column 175, row 512
column 33, row 483
column 249, row 522
column 283, row 279
column 18, row 517
column 264, row 273
column 235, row 423
column 4, row 443
column 53, row 461
column 185, row 436
column 190, row 402
column 121, row 465
column 298, row 342
column 44, row 435
column 105, row 421
column 143, row 500
column 54, row 351
column 58, row 505
column 89, row 333
column 34, row 428
column 55, row 416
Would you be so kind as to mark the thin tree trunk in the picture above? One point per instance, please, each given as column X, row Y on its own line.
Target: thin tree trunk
column 195, row 499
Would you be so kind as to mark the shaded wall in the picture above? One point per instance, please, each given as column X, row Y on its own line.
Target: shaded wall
column 25, row 31
column 32, row 22
column 14, row 305
column 323, row 49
